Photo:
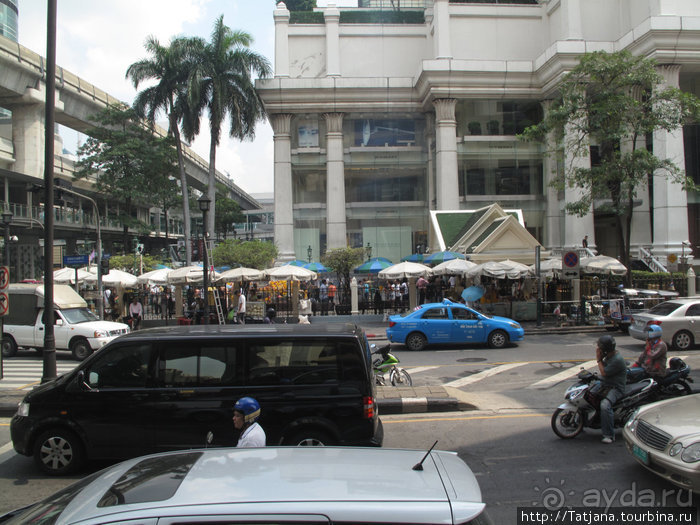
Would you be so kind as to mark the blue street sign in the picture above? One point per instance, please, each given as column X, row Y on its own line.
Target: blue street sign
column 75, row 260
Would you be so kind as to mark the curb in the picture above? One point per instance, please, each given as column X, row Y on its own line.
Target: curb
column 417, row 405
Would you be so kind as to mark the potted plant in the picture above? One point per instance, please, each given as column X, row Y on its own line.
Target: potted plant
column 492, row 127
column 474, row 127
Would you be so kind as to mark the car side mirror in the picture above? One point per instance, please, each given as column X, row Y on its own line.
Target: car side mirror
column 59, row 322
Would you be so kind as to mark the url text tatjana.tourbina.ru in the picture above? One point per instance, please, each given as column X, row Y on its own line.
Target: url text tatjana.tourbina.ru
column 621, row 515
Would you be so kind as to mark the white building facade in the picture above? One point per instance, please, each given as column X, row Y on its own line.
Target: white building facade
column 376, row 123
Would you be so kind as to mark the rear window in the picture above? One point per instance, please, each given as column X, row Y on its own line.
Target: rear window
column 665, row 308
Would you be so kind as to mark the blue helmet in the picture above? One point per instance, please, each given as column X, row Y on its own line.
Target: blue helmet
column 654, row 331
column 249, row 407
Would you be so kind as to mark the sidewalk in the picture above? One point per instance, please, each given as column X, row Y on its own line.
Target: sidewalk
column 390, row 400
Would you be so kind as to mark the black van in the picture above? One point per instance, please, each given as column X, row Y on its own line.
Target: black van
column 166, row 388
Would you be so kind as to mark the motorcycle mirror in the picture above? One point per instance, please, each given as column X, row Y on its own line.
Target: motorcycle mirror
column 210, row 438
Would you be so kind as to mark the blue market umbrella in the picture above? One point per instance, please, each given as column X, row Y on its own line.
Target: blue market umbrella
column 414, row 257
column 440, row 257
column 375, row 265
column 316, row 267
column 298, row 262
column 473, row 293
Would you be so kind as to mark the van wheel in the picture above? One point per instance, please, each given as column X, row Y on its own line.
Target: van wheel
column 58, row 452
column 81, row 349
column 310, row 438
column 9, row 347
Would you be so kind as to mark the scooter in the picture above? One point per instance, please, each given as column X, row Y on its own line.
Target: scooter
column 673, row 384
column 582, row 406
column 386, row 363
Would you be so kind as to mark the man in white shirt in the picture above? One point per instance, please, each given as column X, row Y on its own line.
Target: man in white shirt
column 136, row 313
column 246, row 412
column 240, row 308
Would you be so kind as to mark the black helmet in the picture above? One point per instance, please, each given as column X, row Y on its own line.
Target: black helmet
column 606, row 344
column 676, row 363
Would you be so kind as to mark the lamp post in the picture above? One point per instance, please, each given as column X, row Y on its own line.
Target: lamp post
column 6, row 221
column 309, row 252
column 204, row 203
column 368, row 249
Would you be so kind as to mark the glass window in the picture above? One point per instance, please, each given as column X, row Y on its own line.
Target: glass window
column 463, row 314
column 435, row 313
column 385, row 132
column 122, row 367
column 206, row 365
column 693, row 311
column 293, row 362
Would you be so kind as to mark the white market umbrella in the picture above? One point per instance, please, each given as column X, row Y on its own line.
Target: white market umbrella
column 157, row 277
column 453, row 267
column 67, row 275
column 548, row 267
column 241, row 274
column 190, row 275
column 289, row 272
column 602, row 264
column 500, row 270
column 115, row 278
column 405, row 269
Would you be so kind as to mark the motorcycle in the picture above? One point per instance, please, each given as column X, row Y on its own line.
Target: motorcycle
column 582, row 406
column 673, row 384
column 386, row 363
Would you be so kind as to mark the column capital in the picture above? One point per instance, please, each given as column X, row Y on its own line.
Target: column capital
column 281, row 123
column 445, row 108
column 670, row 73
column 334, row 122
column 281, row 13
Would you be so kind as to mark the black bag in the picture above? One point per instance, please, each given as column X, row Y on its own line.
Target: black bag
column 596, row 394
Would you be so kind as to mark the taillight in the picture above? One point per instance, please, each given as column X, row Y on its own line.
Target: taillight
column 368, row 407
column 649, row 323
column 391, row 324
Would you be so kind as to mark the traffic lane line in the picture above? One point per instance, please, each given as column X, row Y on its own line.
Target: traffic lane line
column 561, row 376
column 468, row 380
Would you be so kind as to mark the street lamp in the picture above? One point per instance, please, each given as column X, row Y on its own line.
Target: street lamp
column 368, row 249
column 6, row 220
column 309, row 252
column 204, row 203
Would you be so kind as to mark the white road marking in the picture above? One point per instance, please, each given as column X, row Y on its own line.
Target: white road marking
column 421, row 369
column 458, row 383
column 561, row 376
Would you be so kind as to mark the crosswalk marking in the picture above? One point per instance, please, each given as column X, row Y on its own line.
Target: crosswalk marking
column 25, row 374
column 458, row 383
column 561, row 376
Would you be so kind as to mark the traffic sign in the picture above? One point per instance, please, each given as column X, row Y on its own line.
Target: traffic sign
column 75, row 260
column 570, row 274
column 4, row 303
column 4, row 277
column 570, row 260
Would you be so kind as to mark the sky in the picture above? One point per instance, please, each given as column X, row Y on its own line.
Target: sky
column 98, row 40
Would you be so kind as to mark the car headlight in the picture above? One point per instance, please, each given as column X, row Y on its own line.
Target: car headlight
column 100, row 333
column 514, row 325
column 675, row 449
column 691, row 454
column 632, row 421
column 23, row 409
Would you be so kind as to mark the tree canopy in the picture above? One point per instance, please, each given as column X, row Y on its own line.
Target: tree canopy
column 249, row 254
column 342, row 261
column 228, row 214
column 613, row 102
column 298, row 5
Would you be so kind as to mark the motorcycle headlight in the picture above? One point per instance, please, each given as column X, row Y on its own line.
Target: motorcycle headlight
column 691, row 453
column 23, row 409
column 675, row 449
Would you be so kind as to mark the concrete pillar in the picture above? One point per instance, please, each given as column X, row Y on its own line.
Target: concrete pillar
column 354, row 310
column 335, row 183
column 281, row 17
column 332, row 18
column 441, row 29
column 28, row 139
column 284, row 218
column 571, row 20
column 691, row 281
column 553, row 213
column 446, row 179
column 576, row 227
column 670, row 200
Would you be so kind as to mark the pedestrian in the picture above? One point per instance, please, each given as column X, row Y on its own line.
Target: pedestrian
column 246, row 412
column 584, row 242
column 241, row 306
column 378, row 302
column 323, row 297
column 613, row 373
column 135, row 313
column 422, row 286
column 332, row 290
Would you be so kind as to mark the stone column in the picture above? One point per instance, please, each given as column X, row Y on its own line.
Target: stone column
column 571, row 20
column 284, row 218
column 447, row 182
column 28, row 136
column 576, row 227
column 335, row 183
column 670, row 210
column 441, row 25
column 553, row 213
column 641, row 217
column 332, row 18
column 281, row 17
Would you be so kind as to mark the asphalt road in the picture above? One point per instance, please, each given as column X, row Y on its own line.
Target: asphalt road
column 507, row 440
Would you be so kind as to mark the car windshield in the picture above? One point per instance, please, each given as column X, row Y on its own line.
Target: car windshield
column 665, row 308
column 48, row 511
column 79, row 315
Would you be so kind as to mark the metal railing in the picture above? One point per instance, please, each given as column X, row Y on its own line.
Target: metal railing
column 653, row 263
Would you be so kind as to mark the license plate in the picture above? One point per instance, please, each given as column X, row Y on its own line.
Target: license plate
column 640, row 454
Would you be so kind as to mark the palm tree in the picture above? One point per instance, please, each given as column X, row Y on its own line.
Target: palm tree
column 170, row 67
column 221, row 83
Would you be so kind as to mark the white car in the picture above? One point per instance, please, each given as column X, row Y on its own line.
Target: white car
column 679, row 319
column 664, row 437
column 309, row 485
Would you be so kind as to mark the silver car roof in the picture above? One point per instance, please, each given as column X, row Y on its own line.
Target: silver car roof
column 344, row 484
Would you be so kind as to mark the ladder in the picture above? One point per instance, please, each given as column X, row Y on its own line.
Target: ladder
column 208, row 248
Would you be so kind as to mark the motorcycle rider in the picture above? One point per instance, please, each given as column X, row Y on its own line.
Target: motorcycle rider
column 246, row 412
column 653, row 358
column 613, row 373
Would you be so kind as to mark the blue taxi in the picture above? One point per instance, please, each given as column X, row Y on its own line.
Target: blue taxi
column 450, row 323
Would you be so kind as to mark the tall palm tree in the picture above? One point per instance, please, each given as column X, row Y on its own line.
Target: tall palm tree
column 221, row 83
column 170, row 67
